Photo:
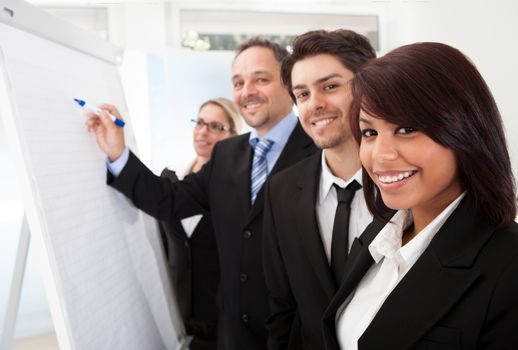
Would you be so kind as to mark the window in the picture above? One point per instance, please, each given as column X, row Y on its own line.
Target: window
column 225, row 29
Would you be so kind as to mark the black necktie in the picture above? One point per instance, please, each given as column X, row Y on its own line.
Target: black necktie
column 339, row 242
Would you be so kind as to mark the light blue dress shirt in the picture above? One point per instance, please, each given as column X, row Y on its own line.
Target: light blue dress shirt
column 116, row 167
column 279, row 134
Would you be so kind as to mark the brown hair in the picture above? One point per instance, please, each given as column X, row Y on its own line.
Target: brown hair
column 434, row 88
column 353, row 50
column 278, row 51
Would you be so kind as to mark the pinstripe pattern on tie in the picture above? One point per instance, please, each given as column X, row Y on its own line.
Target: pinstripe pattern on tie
column 259, row 167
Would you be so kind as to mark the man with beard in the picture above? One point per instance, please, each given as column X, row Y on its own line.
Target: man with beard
column 315, row 209
column 229, row 186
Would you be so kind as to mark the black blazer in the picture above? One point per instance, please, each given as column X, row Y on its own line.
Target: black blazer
column 193, row 268
column 297, row 269
column 222, row 187
column 462, row 293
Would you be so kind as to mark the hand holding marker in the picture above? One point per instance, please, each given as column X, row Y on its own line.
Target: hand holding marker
column 98, row 111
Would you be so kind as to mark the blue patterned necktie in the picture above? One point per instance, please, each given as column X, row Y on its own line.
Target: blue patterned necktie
column 259, row 167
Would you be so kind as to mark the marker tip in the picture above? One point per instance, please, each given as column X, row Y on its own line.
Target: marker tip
column 79, row 102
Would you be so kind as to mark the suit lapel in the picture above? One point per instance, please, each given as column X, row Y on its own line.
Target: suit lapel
column 304, row 201
column 241, row 174
column 361, row 243
column 416, row 304
column 360, row 259
column 358, row 262
column 200, row 228
column 298, row 147
column 433, row 285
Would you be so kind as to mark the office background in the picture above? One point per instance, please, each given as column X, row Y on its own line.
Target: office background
column 179, row 53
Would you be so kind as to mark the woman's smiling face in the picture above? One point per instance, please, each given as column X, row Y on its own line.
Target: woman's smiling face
column 411, row 170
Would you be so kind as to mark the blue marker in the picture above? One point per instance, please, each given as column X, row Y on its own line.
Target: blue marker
column 98, row 112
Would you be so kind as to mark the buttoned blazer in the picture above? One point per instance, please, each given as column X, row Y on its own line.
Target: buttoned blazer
column 222, row 187
column 297, row 270
column 193, row 268
column 460, row 294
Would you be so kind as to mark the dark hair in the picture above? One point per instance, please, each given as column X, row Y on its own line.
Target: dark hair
column 436, row 89
column 259, row 41
column 352, row 49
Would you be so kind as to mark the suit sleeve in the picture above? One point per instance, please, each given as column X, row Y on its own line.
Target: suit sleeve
column 501, row 327
column 160, row 197
column 283, row 307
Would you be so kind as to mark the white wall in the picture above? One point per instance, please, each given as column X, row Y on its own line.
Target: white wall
column 189, row 79
column 486, row 31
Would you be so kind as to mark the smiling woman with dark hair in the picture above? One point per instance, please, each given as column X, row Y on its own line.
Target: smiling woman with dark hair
column 442, row 274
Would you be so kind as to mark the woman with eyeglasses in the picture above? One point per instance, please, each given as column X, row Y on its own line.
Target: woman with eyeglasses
column 443, row 272
column 190, row 244
column 217, row 119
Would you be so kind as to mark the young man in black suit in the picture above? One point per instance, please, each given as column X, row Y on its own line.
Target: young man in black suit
column 305, row 243
column 228, row 186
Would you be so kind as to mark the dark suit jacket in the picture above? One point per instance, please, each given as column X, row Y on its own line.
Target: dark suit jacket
column 462, row 293
column 222, row 187
column 297, row 269
column 193, row 267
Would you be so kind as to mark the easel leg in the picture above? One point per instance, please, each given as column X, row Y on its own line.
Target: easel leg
column 16, row 287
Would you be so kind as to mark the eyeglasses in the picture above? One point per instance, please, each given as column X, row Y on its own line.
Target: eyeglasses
column 215, row 127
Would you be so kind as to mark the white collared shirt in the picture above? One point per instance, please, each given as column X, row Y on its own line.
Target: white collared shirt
column 326, row 207
column 391, row 263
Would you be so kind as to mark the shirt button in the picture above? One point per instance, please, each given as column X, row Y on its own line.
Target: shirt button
column 186, row 244
column 243, row 277
column 244, row 318
column 247, row 234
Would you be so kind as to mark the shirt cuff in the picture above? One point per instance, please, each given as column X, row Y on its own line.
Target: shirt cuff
column 116, row 166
